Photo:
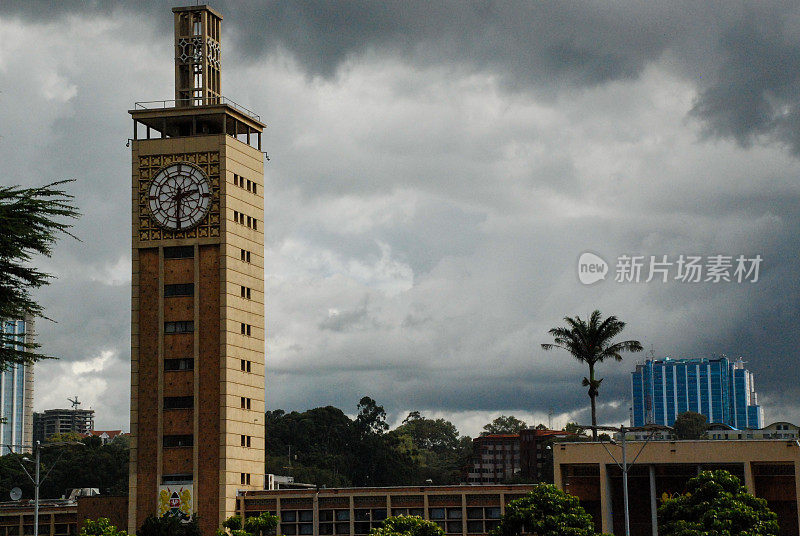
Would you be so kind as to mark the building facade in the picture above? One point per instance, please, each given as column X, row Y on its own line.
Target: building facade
column 770, row 469
column 197, row 323
column 61, row 517
column 458, row 510
column 722, row 390
column 536, row 452
column 16, row 392
column 62, row 421
column 776, row 430
column 495, row 459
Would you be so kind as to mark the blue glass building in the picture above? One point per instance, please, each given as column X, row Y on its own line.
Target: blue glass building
column 16, row 394
column 721, row 390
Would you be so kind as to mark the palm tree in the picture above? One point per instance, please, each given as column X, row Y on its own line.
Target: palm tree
column 591, row 343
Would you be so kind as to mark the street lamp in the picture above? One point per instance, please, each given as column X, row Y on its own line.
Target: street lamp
column 623, row 464
column 37, row 481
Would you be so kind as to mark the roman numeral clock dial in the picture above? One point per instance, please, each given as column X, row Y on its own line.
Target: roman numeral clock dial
column 179, row 196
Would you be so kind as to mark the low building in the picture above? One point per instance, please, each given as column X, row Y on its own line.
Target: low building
column 776, row 430
column 495, row 459
column 106, row 436
column 61, row 517
column 536, row 455
column 770, row 469
column 459, row 510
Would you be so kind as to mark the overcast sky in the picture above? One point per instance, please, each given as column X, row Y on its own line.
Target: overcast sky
column 436, row 170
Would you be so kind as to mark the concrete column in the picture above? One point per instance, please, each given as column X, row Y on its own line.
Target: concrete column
column 748, row 478
column 797, row 484
column 605, row 500
column 352, row 517
column 315, row 514
column 653, row 501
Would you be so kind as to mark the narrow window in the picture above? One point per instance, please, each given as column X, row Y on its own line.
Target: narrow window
column 255, row 225
column 178, row 402
column 186, row 363
column 184, row 326
column 179, row 252
column 244, row 257
column 254, row 187
column 244, row 328
column 170, row 441
column 179, row 289
column 244, row 364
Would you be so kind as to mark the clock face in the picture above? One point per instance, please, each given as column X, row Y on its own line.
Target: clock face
column 179, row 196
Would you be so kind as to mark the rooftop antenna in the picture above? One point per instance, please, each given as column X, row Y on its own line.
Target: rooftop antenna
column 75, row 403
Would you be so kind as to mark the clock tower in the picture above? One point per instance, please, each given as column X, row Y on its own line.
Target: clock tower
column 197, row 318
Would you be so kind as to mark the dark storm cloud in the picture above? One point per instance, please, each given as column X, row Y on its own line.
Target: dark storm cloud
column 422, row 227
column 744, row 58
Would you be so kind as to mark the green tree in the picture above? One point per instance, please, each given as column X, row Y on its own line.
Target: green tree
column 590, row 342
column 545, row 511
column 253, row 526
column 30, row 221
column 504, row 425
column 433, row 446
column 407, row 526
column 68, row 466
column 101, row 527
column 573, row 428
column 371, row 417
column 716, row 504
column 690, row 425
column 169, row 526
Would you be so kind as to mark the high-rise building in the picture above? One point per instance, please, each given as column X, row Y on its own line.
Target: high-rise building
column 16, row 393
column 197, row 322
column 62, row 421
column 721, row 390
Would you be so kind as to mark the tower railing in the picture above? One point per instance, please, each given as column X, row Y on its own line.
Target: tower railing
column 192, row 103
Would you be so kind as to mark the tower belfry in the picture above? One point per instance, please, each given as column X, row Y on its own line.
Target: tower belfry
column 197, row 307
column 197, row 56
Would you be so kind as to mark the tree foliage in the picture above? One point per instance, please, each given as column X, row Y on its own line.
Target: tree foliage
column 101, row 527
column 407, row 526
column 591, row 342
column 436, row 451
column 690, row 425
column 30, row 221
column 68, row 466
column 545, row 511
column 504, row 425
column 573, row 428
column 253, row 526
column 716, row 504
column 324, row 446
column 169, row 526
